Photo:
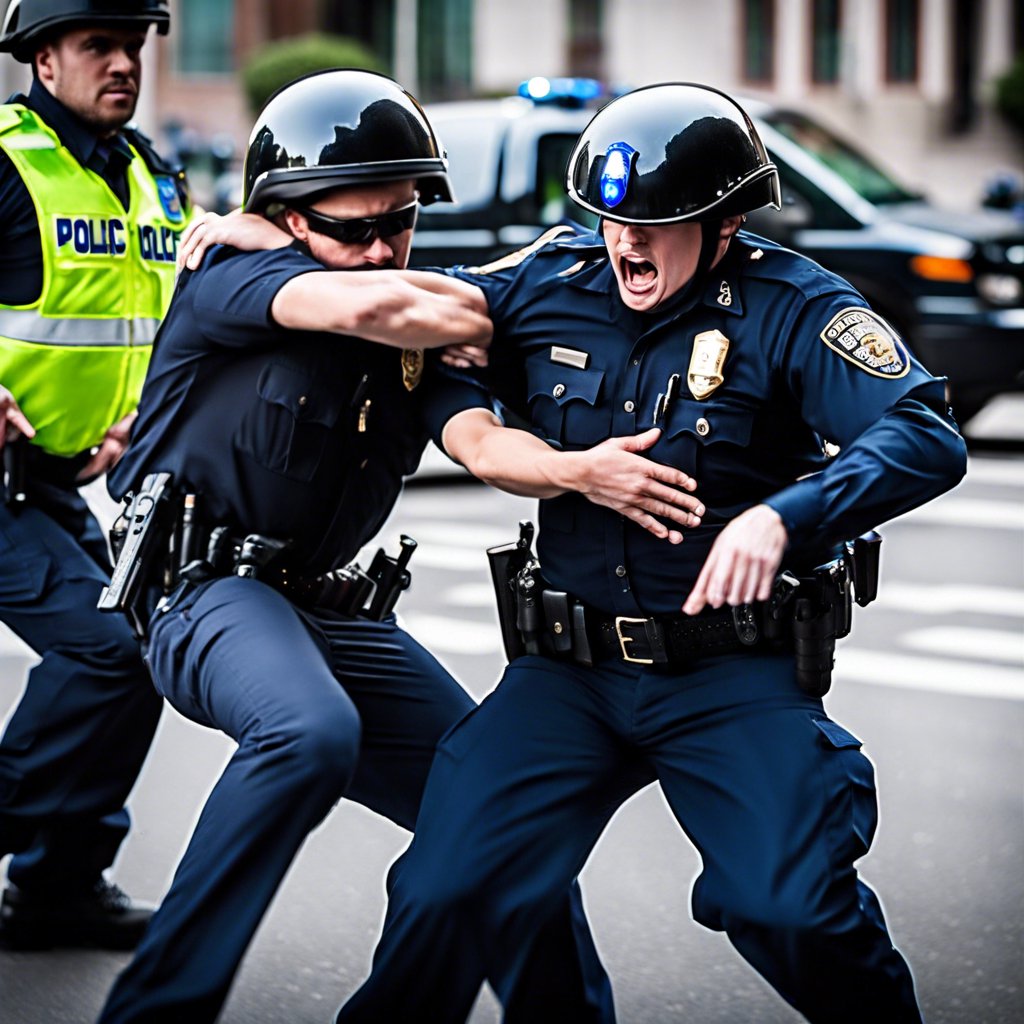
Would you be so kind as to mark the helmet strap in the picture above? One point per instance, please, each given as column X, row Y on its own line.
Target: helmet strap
column 710, row 231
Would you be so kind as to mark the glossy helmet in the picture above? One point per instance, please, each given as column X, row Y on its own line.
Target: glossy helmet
column 669, row 153
column 341, row 127
column 28, row 23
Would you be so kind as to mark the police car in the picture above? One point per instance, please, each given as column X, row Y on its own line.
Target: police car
column 951, row 283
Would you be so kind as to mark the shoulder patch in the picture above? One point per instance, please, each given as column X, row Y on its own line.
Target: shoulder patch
column 866, row 340
column 513, row 259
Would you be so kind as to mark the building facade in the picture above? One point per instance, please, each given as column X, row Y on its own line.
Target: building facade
column 910, row 80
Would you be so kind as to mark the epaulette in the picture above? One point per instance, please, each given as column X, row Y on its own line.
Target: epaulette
column 513, row 259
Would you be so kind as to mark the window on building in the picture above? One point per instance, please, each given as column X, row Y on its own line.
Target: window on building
column 825, row 41
column 901, row 40
column 371, row 23
column 585, row 48
column 759, row 40
column 445, row 48
column 204, row 33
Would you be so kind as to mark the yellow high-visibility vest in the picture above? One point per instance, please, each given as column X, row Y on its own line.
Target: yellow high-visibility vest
column 75, row 358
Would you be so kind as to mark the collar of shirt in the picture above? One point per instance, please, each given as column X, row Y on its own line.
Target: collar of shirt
column 721, row 290
column 82, row 142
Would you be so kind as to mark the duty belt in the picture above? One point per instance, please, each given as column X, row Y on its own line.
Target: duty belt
column 160, row 545
column 804, row 615
column 674, row 640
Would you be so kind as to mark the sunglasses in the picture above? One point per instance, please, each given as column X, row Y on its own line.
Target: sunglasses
column 362, row 230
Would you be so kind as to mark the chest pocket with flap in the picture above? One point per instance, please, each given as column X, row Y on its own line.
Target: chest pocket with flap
column 287, row 426
column 565, row 402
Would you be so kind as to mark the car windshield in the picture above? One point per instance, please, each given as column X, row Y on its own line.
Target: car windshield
column 867, row 179
column 473, row 145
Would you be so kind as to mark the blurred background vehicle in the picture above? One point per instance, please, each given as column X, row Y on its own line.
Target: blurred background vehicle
column 950, row 281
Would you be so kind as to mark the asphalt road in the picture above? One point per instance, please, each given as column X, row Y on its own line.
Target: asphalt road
column 932, row 680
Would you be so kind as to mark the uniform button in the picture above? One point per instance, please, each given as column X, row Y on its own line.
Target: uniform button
column 558, row 390
column 703, row 427
column 628, row 406
column 620, row 571
column 303, row 399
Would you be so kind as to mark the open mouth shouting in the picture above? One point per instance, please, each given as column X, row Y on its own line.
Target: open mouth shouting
column 651, row 261
column 639, row 276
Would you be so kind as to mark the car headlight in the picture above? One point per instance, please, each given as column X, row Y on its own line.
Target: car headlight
column 1001, row 289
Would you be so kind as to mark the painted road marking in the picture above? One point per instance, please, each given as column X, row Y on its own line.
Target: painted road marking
column 989, row 471
column 939, row 675
column 998, row 515
column 965, row 642
column 453, row 636
column 947, row 598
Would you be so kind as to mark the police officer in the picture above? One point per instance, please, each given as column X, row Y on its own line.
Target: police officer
column 744, row 356
column 89, row 218
column 289, row 439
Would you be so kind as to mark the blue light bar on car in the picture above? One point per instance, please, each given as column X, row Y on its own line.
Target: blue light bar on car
column 569, row 92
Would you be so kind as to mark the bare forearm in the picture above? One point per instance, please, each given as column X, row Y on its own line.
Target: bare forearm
column 614, row 474
column 511, row 460
column 381, row 306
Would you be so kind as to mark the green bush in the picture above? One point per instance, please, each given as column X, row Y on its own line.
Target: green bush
column 1010, row 94
column 284, row 60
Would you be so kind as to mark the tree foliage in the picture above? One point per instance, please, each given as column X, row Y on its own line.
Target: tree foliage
column 1010, row 94
column 282, row 61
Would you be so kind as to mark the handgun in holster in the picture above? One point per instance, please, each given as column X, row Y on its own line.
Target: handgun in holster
column 15, row 472
column 823, row 609
column 390, row 576
column 512, row 567
column 140, row 540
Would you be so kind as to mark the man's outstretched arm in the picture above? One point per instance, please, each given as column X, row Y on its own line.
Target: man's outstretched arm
column 385, row 306
column 405, row 309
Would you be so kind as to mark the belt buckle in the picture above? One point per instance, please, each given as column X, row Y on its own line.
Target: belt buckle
column 620, row 621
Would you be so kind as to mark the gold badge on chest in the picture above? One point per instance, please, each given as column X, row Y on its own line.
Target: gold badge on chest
column 706, row 361
column 412, row 367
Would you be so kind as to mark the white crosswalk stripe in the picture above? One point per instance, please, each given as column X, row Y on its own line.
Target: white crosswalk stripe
column 979, row 512
column 961, row 642
column 448, row 635
column 940, row 675
column 946, row 598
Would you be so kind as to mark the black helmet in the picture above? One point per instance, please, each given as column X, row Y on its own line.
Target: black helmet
column 669, row 153
column 341, row 127
column 27, row 23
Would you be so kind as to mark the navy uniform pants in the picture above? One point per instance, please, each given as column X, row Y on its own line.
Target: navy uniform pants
column 321, row 706
column 777, row 798
column 75, row 743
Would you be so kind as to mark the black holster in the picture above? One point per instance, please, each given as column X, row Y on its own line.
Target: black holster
column 823, row 608
column 514, row 572
column 139, row 541
column 15, row 472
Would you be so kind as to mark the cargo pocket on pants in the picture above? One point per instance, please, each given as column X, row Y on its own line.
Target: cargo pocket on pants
column 850, row 791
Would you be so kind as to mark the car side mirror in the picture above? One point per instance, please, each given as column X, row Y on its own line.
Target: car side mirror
column 795, row 215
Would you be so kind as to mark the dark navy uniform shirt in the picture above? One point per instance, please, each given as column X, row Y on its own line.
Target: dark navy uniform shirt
column 797, row 360
column 21, row 254
column 299, row 436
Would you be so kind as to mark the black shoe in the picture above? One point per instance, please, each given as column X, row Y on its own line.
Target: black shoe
column 103, row 917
